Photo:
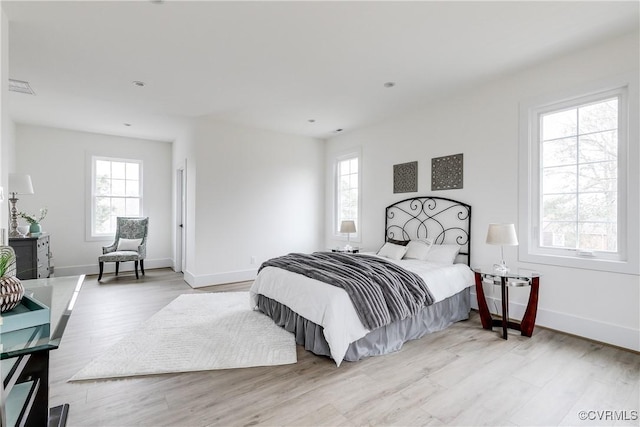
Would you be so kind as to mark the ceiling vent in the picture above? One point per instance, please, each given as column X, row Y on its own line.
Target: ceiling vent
column 20, row 86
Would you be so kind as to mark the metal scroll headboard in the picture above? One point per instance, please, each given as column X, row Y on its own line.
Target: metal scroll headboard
column 444, row 221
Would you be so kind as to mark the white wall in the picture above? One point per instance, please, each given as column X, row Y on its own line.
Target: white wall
column 251, row 195
column 258, row 194
column 483, row 124
column 57, row 161
column 184, row 156
column 7, row 127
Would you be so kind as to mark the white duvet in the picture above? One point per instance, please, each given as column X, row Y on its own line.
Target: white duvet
column 331, row 307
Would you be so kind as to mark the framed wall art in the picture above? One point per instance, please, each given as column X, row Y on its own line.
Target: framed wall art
column 405, row 177
column 447, row 172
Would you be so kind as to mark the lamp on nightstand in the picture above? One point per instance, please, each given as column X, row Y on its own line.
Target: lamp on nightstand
column 348, row 227
column 503, row 235
column 18, row 184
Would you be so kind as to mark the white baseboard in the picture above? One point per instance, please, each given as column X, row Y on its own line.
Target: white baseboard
column 219, row 278
column 596, row 330
column 110, row 267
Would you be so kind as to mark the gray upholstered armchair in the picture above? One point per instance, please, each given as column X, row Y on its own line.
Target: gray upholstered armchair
column 130, row 244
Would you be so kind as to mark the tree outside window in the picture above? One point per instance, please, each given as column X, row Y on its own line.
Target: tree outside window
column 579, row 177
column 347, row 190
column 117, row 191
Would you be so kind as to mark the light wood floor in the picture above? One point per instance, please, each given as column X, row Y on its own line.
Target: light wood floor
column 462, row 376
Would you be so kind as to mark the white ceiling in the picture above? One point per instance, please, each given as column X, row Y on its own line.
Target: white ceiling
column 275, row 65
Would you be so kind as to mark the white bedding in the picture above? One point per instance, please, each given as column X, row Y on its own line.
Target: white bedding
column 331, row 307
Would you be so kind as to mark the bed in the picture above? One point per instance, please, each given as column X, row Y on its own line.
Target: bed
column 322, row 316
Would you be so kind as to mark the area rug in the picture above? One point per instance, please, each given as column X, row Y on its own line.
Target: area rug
column 197, row 332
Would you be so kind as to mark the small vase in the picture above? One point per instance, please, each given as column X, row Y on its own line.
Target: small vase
column 11, row 293
column 35, row 228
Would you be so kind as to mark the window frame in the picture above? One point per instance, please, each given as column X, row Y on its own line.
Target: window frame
column 625, row 260
column 349, row 155
column 91, row 235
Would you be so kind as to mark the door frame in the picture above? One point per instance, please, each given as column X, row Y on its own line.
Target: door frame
column 181, row 220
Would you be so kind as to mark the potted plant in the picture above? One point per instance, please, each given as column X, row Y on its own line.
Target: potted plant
column 11, row 289
column 34, row 221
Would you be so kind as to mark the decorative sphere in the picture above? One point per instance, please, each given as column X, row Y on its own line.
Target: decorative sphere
column 11, row 293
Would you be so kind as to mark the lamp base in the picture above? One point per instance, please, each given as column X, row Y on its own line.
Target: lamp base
column 13, row 232
column 501, row 268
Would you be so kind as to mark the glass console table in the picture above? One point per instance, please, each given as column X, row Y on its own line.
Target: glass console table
column 505, row 280
column 24, row 355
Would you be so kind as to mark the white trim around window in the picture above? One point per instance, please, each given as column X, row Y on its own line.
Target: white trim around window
column 626, row 256
column 121, row 191
column 344, row 158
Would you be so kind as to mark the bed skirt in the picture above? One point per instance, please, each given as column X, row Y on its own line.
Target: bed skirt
column 386, row 339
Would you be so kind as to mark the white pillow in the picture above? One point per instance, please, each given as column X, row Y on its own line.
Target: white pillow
column 391, row 251
column 128, row 244
column 418, row 249
column 443, row 254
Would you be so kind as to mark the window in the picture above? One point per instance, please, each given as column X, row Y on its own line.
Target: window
column 347, row 191
column 116, row 190
column 574, row 196
column 579, row 177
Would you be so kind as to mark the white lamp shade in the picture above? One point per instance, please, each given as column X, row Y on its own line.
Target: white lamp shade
column 502, row 234
column 348, row 226
column 20, row 183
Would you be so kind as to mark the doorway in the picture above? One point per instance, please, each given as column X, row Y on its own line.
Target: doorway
column 181, row 206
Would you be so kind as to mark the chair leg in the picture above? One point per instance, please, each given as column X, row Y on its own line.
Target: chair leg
column 101, row 270
column 117, row 267
column 142, row 266
column 136, row 268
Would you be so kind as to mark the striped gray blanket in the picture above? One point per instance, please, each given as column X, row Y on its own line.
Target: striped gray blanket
column 381, row 291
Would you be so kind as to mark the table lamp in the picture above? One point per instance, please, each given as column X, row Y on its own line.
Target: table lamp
column 347, row 227
column 18, row 184
column 503, row 235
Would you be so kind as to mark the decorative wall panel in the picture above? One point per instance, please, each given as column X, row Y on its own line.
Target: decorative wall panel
column 447, row 172
column 405, row 177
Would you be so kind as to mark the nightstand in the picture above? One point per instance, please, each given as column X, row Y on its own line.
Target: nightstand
column 346, row 251
column 505, row 280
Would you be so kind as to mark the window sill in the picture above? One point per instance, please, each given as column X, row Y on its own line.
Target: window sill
column 612, row 266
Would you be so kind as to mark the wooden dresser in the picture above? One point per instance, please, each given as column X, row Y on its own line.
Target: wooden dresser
column 33, row 256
